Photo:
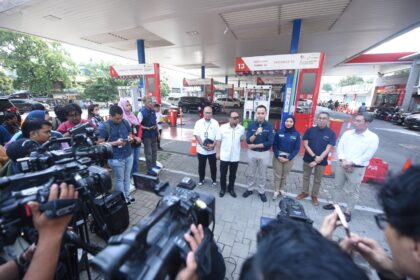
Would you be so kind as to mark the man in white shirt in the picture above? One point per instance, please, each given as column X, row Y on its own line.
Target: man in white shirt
column 355, row 149
column 228, row 150
column 205, row 132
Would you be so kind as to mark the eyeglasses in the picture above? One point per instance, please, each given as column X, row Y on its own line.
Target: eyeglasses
column 235, row 118
column 381, row 221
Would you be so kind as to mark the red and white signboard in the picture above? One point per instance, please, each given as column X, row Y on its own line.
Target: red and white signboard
column 196, row 82
column 277, row 62
column 124, row 71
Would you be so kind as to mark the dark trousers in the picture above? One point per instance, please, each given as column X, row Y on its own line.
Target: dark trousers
column 224, row 166
column 202, row 160
column 158, row 138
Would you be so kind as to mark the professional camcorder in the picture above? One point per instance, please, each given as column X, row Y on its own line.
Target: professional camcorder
column 155, row 248
column 43, row 168
column 83, row 134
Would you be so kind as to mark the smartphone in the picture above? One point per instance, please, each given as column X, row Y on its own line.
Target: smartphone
column 342, row 219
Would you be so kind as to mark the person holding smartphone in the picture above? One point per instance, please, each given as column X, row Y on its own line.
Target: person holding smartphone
column 285, row 148
column 117, row 132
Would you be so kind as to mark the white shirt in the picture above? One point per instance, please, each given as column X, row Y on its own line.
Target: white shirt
column 203, row 127
column 358, row 147
column 230, row 146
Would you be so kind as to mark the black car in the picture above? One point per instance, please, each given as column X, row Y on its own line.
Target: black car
column 412, row 121
column 192, row 103
column 7, row 106
column 24, row 105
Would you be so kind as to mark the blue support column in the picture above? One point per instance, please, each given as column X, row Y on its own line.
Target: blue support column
column 203, row 72
column 141, row 58
column 290, row 94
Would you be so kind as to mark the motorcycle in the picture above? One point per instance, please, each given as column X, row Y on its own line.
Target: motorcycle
column 382, row 114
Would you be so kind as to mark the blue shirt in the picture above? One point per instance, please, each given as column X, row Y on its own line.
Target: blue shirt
column 116, row 132
column 266, row 137
column 318, row 139
column 4, row 135
column 149, row 120
column 288, row 142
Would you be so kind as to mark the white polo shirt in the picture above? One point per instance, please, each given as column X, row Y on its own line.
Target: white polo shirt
column 358, row 147
column 203, row 128
column 230, row 147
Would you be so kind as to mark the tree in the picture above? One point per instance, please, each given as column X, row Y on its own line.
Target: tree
column 5, row 83
column 36, row 62
column 350, row 80
column 164, row 88
column 101, row 87
column 327, row 87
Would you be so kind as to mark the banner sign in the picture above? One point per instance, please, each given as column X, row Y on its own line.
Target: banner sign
column 250, row 65
column 222, row 86
column 124, row 71
column 196, row 82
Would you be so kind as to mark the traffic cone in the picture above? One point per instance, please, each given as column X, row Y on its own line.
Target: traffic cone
column 193, row 150
column 277, row 125
column 328, row 171
column 407, row 165
column 349, row 123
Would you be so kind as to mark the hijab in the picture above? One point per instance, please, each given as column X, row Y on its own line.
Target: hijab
column 292, row 129
column 128, row 115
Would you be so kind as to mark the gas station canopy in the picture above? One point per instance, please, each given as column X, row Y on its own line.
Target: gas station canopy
column 194, row 33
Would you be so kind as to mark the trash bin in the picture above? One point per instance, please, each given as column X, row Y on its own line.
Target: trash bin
column 172, row 117
column 336, row 125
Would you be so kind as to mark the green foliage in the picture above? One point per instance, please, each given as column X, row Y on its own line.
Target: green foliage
column 100, row 86
column 36, row 62
column 5, row 83
column 164, row 88
column 350, row 80
column 327, row 87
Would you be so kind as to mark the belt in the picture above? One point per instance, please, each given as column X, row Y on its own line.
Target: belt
column 358, row 166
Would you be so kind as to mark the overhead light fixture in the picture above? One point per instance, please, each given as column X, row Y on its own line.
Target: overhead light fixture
column 52, row 18
column 193, row 33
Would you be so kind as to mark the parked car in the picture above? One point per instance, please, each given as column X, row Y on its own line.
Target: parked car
column 216, row 107
column 23, row 105
column 241, row 101
column 166, row 107
column 228, row 102
column 173, row 100
column 412, row 121
column 7, row 106
column 192, row 103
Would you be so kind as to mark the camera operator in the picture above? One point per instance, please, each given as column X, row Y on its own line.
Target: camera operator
column 401, row 222
column 74, row 117
column 35, row 133
column 43, row 263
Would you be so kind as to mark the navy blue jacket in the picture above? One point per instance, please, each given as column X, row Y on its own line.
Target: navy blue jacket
column 288, row 142
column 318, row 139
column 266, row 137
column 149, row 120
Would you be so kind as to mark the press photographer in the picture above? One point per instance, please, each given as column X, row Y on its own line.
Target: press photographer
column 160, row 245
column 42, row 265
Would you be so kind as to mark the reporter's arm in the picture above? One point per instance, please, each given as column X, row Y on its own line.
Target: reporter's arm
column 44, row 262
column 9, row 270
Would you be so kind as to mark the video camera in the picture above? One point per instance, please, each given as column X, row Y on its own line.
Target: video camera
column 155, row 248
column 83, row 134
column 73, row 166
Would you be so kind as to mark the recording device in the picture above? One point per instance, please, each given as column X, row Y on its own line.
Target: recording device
column 293, row 209
column 342, row 219
column 207, row 141
column 155, row 247
column 73, row 166
column 83, row 134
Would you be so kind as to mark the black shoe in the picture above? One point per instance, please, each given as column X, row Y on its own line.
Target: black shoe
column 232, row 193
column 329, row 206
column 127, row 202
column 247, row 193
column 131, row 199
column 222, row 193
column 160, row 149
column 348, row 217
column 263, row 197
